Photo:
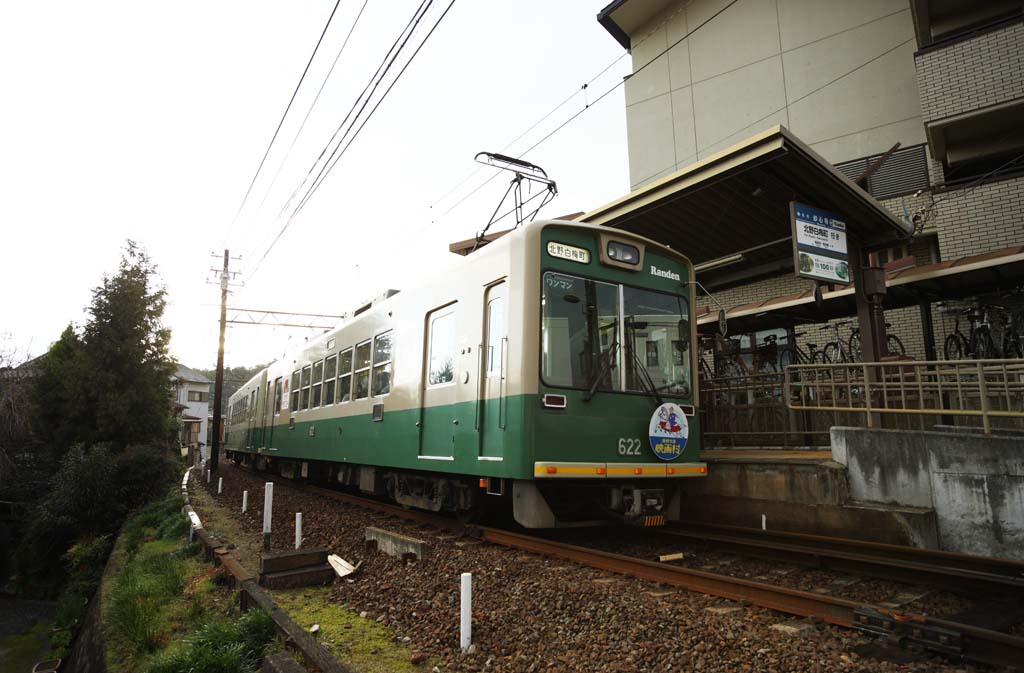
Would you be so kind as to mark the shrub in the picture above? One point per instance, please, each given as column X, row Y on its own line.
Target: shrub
column 131, row 612
column 90, row 494
column 221, row 647
column 256, row 630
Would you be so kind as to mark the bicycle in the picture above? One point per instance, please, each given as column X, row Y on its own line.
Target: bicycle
column 837, row 351
column 893, row 344
column 765, row 361
column 793, row 354
column 1012, row 344
column 979, row 344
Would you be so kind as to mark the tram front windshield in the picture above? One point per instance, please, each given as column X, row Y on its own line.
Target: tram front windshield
column 606, row 336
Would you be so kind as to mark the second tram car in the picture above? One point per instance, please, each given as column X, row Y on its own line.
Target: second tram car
column 553, row 371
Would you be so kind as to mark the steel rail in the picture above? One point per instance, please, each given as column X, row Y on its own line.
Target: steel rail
column 959, row 572
column 950, row 638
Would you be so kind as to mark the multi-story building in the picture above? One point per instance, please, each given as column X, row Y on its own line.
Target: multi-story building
column 943, row 79
column 192, row 397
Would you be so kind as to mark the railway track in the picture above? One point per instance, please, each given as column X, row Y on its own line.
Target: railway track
column 962, row 573
column 951, row 638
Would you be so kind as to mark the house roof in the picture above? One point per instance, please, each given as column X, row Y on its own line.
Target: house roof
column 190, row 375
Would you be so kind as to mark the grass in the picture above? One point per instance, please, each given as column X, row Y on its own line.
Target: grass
column 361, row 642
column 20, row 652
column 220, row 646
column 166, row 611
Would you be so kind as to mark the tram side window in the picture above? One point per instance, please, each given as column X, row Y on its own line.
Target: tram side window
column 277, row 396
column 345, row 376
column 330, row 369
column 307, row 373
column 362, row 370
column 382, row 364
column 318, row 378
column 295, row 391
column 441, row 365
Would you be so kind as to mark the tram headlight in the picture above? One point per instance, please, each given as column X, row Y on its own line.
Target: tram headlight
column 621, row 252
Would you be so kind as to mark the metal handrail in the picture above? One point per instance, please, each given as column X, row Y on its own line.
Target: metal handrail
column 981, row 388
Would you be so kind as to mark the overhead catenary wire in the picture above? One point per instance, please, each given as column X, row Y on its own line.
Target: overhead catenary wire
column 379, row 72
column 316, row 99
column 280, row 123
column 519, row 137
column 372, row 87
column 586, row 107
column 366, row 119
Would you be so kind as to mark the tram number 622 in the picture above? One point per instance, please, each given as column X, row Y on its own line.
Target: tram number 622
column 629, row 446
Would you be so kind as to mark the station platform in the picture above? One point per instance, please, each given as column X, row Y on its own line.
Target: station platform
column 798, row 490
column 805, row 456
column 957, row 490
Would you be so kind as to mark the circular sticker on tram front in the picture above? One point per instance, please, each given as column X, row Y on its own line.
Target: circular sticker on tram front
column 668, row 431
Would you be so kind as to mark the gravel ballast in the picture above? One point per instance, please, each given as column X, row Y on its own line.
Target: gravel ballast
column 532, row 613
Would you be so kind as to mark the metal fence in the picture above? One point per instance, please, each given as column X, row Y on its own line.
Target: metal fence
column 750, row 411
column 910, row 393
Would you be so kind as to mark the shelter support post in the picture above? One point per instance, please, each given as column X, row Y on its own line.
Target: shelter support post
column 872, row 339
column 928, row 330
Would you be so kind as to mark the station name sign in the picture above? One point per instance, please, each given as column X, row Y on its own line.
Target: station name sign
column 819, row 244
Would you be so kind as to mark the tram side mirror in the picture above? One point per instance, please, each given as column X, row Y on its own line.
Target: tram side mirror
column 723, row 322
column 683, row 343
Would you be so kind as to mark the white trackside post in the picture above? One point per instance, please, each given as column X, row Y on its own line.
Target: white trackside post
column 268, row 508
column 764, row 522
column 298, row 529
column 207, row 476
column 245, row 501
column 220, row 485
column 466, row 622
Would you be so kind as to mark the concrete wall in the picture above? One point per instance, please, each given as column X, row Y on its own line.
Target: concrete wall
column 972, row 74
column 88, row 654
column 974, row 483
column 839, row 74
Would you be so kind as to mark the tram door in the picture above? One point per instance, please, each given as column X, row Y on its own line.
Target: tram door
column 275, row 409
column 494, row 376
column 438, row 419
column 266, row 416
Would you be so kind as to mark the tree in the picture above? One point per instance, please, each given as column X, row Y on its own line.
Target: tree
column 111, row 383
column 62, row 413
column 234, row 378
column 127, row 367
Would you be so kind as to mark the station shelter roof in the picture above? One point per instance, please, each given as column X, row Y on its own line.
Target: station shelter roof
column 998, row 270
column 737, row 202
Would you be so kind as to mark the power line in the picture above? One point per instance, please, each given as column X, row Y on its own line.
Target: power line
column 329, row 168
column 378, row 73
column 811, row 92
column 281, row 122
column 537, row 123
column 336, row 155
column 315, row 100
column 586, row 107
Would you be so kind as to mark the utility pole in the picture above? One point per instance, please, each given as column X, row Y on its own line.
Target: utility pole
column 218, row 386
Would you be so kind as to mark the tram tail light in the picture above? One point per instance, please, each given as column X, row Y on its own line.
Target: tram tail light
column 552, row 470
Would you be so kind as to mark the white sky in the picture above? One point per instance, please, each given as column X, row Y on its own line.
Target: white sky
column 147, row 121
